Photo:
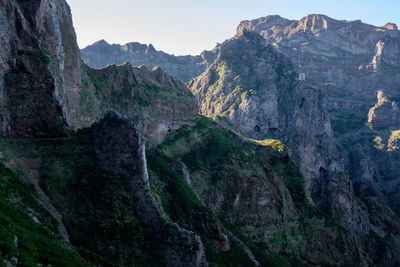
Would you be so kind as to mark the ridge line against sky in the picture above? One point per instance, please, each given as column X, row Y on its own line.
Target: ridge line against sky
column 184, row 27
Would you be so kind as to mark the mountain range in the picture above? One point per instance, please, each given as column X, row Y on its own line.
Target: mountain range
column 184, row 68
column 280, row 147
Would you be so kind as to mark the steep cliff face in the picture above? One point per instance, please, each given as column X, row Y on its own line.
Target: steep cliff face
column 385, row 113
column 349, row 60
column 344, row 86
column 184, row 68
column 40, row 68
column 255, row 91
column 357, row 67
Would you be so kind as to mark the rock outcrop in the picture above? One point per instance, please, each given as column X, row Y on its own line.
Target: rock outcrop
column 40, row 68
column 385, row 113
column 184, row 68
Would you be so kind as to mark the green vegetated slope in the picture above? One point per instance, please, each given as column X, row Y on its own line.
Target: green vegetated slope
column 256, row 193
column 29, row 234
column 239, row 194
column 97, row 207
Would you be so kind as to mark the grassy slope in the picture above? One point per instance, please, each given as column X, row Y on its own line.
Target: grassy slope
column 28, row 233
column 98, row 208
column 183, row 207
column 224, row 161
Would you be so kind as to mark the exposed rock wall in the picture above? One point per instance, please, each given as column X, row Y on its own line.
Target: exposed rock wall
column 40, row 68
column 255, row 91
column 351, row 63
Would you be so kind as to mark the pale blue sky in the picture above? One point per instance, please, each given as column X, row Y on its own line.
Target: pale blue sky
column 190, row 26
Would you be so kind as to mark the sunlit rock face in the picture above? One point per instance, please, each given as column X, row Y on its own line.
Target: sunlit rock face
column 336, row 55
column 351, row 63
column 385, row 113
column 256, row 91
column 339, row 114
column 349, row 60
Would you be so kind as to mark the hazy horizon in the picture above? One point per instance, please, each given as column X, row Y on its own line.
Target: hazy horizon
column 189, row 27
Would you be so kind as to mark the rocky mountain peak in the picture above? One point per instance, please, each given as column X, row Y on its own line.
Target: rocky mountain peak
column 150, row 49
column 316, row 23
column 263, row 23
column 391, row 26
column 184, row 68
column 101, row 42
column 157, row 77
